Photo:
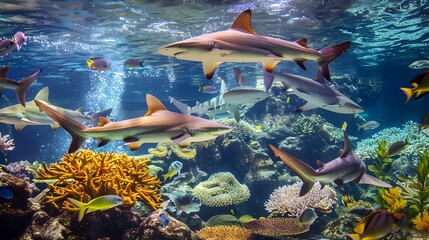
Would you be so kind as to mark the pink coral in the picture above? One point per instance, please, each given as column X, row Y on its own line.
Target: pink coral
column 6, row 143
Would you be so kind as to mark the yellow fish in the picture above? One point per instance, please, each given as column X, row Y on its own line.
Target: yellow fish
column 174, row 168
column 420, row 86
column 344, row 127
column 100, row 203
column 258, row 128
column 288, row 100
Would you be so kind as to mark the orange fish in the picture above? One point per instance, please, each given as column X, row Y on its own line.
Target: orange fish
column 378, row 225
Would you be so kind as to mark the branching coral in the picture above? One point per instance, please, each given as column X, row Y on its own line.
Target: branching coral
column 422, row 221
column 276, row 227
column 87, row 175
column 6, row 143
column 418, row 142
column 225, row 232
column 286, row 199
column 392, row 199
column 308, row 124
column 221, row 189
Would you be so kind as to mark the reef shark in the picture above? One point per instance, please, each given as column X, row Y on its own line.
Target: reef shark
column 315, row 91
column 240, row 43
column 211, row 107
column 20, row 86
column 158, row 125
column 345, row 168
column 21, row 116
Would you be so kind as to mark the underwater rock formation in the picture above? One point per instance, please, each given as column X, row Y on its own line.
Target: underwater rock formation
column 154, row 227
column 286, row 200
column 221, row 189
column 15, row 210
column 87, row 175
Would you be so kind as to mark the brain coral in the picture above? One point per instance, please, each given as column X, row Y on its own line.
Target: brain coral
column 87, row 174
column 286, row 199
column 221, row 189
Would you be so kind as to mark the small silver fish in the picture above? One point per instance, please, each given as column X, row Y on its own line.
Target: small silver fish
column 368, row 125
column 20, row 38
column 419, row 64
column 98, row 64
column 308, row 217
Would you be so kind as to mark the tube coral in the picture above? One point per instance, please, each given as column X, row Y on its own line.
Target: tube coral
column 88, row 174
column 286, row 199
column 393, row 200
column 422, row 221
column 221, row 189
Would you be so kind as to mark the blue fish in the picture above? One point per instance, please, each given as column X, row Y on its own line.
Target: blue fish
column 164, row 220
column 6, row 193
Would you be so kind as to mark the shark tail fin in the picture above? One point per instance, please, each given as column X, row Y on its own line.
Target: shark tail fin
column 408, row 92
column 72, row 126
column 82, row 207
column 184, row 108
column 353, row 236
column 95, row 117
column 303, row 170
column 268, row 80
column 329, row 54
column 23, row 85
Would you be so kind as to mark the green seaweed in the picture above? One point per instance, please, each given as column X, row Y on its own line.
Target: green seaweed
column 416, row 190
column 380, row 167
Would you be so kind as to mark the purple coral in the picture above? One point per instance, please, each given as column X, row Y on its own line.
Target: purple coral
column 6, row 143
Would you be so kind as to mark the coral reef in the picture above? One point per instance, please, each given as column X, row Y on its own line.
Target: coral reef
column 6, row 143
column 286, row 199
column 308, row 124
column 186, row 153
column 276, row 227
column 87, row 175
column 183, row 201
column 221, row 189
column 160, row 151
column 393, row 201
column 153, row 228
column 20, row 169
column 222, row 220
column 422, row 221
column 225, row 232
column 366, row 148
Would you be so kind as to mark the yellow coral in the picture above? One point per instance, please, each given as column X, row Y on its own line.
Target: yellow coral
column 422, row 221
column 160, row 150
column 393, row 199
column 183, row 153
column 87, row 174
column 225, row 232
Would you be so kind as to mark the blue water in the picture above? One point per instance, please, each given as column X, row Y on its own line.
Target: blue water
column 386, row 37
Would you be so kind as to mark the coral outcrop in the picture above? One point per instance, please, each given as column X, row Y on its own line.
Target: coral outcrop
column 6, row 143
column 286, row 199
column 276, row 227
column 88, row 174
column 225, row 232
column 221, row 189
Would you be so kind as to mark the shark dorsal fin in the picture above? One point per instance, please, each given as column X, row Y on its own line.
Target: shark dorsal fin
column 43, row 95
column 153, row 104
column 320, row 164
column 302, row 42
column 243, row 22
column 347, row 146
column 3, row 71
column 103, row 121
column 80, row 110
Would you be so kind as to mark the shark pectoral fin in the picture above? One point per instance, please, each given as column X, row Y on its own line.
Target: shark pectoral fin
column 300, row 62
column 234, row 111
column 80, row 110
column 302, row 42
column 134, row 146
column 269, row 66
column 243, row 22
column 320, row 164
column 368, row 179
column 181, row 138
column 183, row 145
column 307, row 107
column 102, row 142
column 19, row 127
column 338, row 182
column 209, row 68
column 306, row 187
column 103, row 121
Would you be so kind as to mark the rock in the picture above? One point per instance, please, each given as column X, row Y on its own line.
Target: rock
column 151, row 228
